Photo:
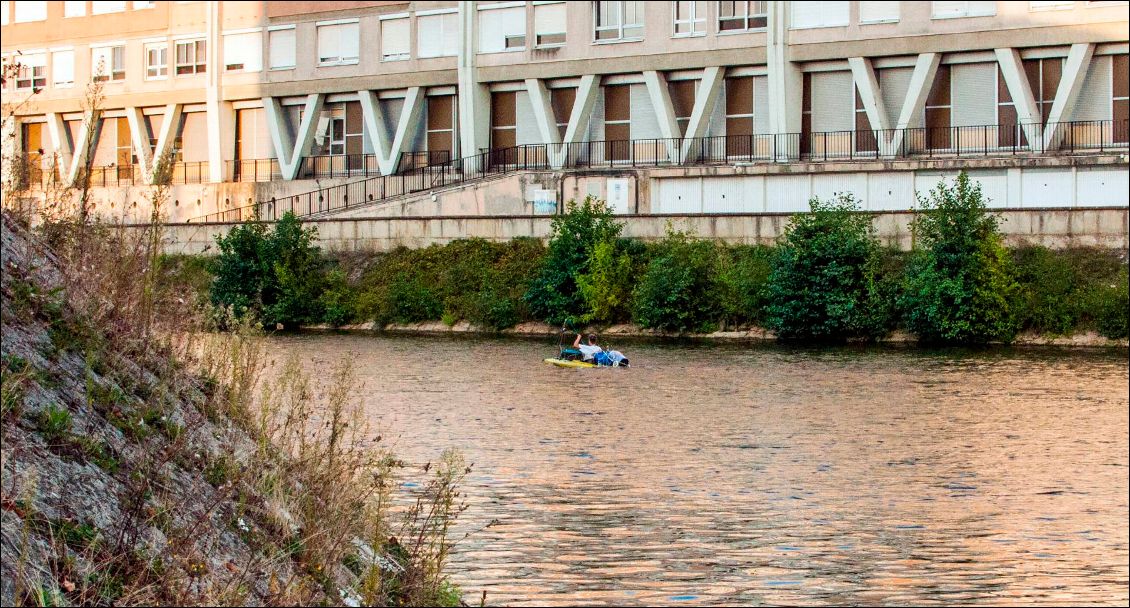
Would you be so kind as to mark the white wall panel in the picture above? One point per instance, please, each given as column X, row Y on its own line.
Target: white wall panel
column 1105, row 187
column 677, row 195
column 889, row 191
column 735, row 194
column 827, row 185
column 1047, row 188
column 787, row 193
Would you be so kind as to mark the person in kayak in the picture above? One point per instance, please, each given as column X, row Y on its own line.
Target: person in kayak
column 590, row 350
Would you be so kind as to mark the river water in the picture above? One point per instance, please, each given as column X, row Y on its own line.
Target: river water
column 738, row 474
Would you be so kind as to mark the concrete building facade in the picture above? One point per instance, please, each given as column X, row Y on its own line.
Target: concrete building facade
column 245, row 96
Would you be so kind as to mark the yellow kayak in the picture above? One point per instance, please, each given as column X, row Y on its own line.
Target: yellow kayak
column 567, row 363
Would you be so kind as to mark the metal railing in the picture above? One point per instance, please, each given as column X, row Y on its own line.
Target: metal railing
column 1073, row 137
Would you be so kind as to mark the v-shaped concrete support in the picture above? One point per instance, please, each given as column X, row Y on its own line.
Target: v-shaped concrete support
column 557, row 147
column 1027, row 112
column 290, row 152
column 925, row 69
column 863, row 73
column 709, row 89
column 389, row 152
column 1070, row 84
column 139, row 131
column 71, row 160
column 660, row 96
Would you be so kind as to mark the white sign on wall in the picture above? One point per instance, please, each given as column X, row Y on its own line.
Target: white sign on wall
column 618, row 194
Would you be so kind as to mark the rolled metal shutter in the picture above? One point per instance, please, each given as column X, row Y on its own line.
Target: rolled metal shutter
column 974, row 94
column 833, row 102
column 1094, row 101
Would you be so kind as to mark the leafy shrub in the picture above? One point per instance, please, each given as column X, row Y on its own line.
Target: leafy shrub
column 553, row 295
column 822, row 285
column 409, row 301
column 275, row 276
column 743, row 273
column 1111, row 305
column 338, row 301
column 606, row 287
column 959, row 285
column 491, row 309
column 678, row 290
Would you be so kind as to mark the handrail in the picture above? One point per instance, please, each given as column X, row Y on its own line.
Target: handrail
column 915, row 142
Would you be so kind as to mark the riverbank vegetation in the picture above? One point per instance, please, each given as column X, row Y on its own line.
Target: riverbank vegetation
column 827, row 279
column 148, row 463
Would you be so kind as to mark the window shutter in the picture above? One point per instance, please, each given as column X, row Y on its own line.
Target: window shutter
column 833, row 101
column 973, row 101
column 761, row 105
column 395, row 43
column 429, row 35
column 282, row 52
column 328, row 44
column 349, row 41
column 949, row 9
column 498, row 24
column 893, row 85
column 878, row 11
column 1095, row 96
column 243, row 51
column 549, row 23
column 63, row 67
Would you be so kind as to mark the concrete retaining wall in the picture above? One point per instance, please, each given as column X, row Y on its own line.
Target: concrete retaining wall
column 1057, row 228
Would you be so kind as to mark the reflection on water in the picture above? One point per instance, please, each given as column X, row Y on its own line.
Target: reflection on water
column 734, row 474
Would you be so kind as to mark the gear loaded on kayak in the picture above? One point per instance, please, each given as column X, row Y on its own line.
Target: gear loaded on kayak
column 586, row 355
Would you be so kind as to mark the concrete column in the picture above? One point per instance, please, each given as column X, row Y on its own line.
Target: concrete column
column 1027, row 112
column 705, row 98
column 389, row 152
column 57, row 130
column 290, row 152
column 139, row 131
column 785, row 83
column 863, row 74
column 1070, row 84
column 925, row 68
column 660, row 97
column 474, row 97
column 220, row 115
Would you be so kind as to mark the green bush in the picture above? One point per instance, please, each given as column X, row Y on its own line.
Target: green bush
column 743, row 273
column 338, row 301
column 553, row 295
column 959, row 285
column 606, row 286
column 276, row 276
column 823, row 282
column 1111, row 306
column 408, row 300
column 679, row 289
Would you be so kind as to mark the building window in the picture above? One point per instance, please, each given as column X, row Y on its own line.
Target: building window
column 74, row 9
column 549, row 24
column 33, row 71
column 819, row 14
column 502, row 29
column 441, row 129
column 617, row 21
column 562, row 101
column 618, row 122
column 437, row 35
column 30, row 11
column 690, row 18
column 108, row 63
column 742, row 16
column 395, row 39
column 103, row 8
column 1054, row 5
column 1043, row 77
column 865, row 140
column 243, row 52
column 1120, row 97
column 937, row 111
column 143, row 5
column 192, row 57
column 878, row 12
column 339, row 43
column 806, row 114
column 682, row 101
column 739, row 116
column 157, row 60
column 63, row 69
column 4, row 12
column 503, row 120
column 951, row 10
column 281, row 49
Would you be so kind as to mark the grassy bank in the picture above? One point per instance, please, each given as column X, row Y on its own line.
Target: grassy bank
column 148, row 463
column 827, row 279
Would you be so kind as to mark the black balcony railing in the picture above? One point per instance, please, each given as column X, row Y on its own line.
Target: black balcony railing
column 1077, row 137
